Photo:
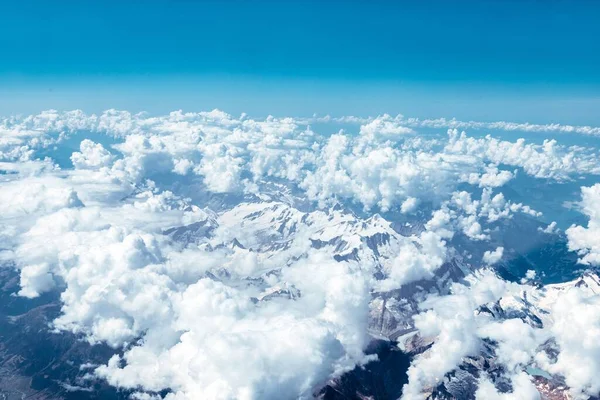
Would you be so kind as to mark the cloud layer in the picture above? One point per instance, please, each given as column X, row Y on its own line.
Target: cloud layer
column 229, row 257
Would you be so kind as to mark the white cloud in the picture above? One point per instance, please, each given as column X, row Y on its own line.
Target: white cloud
column 550, row 229
column 385, row 126
column 409, row 205
column 553, row 328
column 36, row 279
column 492, row 257
column 517, row 341
column 36, row 196
column 91, row 156
column 523, row 389
column 501, row 125
column 548, row 160
column 530, row 274
column 470, row 216
column 443, row 123
column 413, row 262
column 182, row 166
column 122, row 281
column 576, row 326
column 232, row 154
column 492, row 177
column 220, row 168
column 452, row 321
column 586, row 241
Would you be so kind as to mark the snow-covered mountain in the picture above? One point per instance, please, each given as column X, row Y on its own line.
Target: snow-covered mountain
column 277, row 234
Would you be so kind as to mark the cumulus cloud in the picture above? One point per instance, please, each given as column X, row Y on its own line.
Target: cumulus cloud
column 385, row 126
column 530, row 274
column 123, row 282
column 224, row 346
column 552, row 328
column 409, row 205
column 453, row 123
column 548, row 160
column 454, row 324
column 233, row 154
column 523, row 389
column 501, row 125
column 550, row 229
column 517, row 341
column 415, row 261
column 36, row 279
column 492, row 257
column 492, row 177
column 91, row 155
column 576, row 314
column 586, row 241
column 470, row 216
column 211, row 339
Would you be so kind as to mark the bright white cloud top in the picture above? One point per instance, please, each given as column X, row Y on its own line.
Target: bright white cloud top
column 228, row 257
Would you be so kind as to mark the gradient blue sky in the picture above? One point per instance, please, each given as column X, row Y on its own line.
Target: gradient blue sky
column 536, row 61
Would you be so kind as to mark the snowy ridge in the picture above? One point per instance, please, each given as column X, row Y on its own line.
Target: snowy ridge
column 526, row 330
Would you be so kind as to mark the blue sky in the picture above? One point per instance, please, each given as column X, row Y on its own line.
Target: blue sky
column 523, row 60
